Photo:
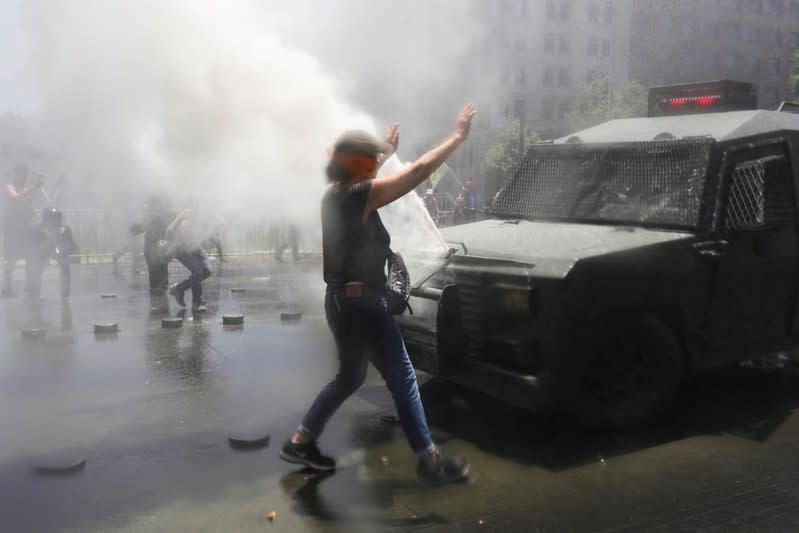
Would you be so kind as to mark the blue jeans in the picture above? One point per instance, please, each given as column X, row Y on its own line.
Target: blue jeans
column 196, row 261
column 364, row 330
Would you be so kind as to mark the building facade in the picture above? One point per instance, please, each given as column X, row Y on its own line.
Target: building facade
column 678, row 41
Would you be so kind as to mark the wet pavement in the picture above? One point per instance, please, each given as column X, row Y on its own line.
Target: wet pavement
column 150, row 409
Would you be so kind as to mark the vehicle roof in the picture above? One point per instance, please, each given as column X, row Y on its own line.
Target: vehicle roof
column 720, row 126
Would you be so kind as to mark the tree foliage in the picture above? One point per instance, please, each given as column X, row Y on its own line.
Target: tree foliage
column 503, row 157
column 629, row 100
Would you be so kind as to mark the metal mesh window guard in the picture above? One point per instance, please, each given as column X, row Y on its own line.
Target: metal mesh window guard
column 757, row 194
column 653, row 182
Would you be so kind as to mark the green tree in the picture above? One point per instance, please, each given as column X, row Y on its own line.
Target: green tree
column 630, row 100
column 503, row 157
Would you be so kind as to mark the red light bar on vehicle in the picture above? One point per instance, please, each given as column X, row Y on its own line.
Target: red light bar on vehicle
column 712, row 97
column 697, row 101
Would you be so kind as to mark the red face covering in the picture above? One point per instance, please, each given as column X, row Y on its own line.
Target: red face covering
column 359, row 167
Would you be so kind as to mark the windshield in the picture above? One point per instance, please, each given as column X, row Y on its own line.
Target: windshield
column 656, row 183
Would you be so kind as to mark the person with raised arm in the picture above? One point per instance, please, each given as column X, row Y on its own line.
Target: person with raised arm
column 355, row 245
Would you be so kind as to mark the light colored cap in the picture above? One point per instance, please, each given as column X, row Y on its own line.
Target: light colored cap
column 361, row 142
column 429, row 191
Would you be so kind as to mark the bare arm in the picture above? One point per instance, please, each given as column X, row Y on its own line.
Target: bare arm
column 383, row 191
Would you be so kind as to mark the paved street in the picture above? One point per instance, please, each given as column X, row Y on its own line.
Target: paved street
column 150, row 410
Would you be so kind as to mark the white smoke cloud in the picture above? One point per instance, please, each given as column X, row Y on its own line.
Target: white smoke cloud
column 184, row 98
column 193, row 100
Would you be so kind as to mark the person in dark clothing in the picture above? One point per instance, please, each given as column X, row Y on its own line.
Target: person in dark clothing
column 18, row 224
column 470, row 202
column 186, row 241
column 53, row 240
column 287, row 235
column 355, row 245
column 431, row 205
column 157, row 254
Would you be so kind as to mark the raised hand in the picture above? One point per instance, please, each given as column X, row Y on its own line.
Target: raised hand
column 464, row 123
column 392, row 135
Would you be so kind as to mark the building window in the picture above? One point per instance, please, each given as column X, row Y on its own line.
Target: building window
column 521, row 76
column 795, row 11
column 549, row 76
column 734, row 61
column 564, row 46
column 593, row 46
column 735, row 5
column 563, row 77
column 773, row 66
column 551, row 9
column 713, row 29
column 772, row 96
column 593, row 12
column 775, row 37
column 549, row 42
column 605, row 47
column 754, row 66
column 734, row 31
column 547, row 110
column 794, row 40
column 563, row 109
column 565, row 10
column 756, row 6
column 594, row 75
column 775, row 7
column 754, row 34
column 608, row 13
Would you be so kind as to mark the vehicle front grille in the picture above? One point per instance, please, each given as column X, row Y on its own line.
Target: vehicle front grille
column 472, row 304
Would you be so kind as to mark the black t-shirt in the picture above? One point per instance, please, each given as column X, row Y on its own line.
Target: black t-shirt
column 353, row 250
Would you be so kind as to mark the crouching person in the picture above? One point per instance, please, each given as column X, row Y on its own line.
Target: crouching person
column 189, row 251
column 52, row 240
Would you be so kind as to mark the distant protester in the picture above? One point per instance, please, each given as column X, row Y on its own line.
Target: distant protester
column 52, row 240
column 157, row 254
column 186, row 241
column 213, row 234
column 18, row 221
column 470, row 201
column 355, row 246
column 431, row 205
column 287, row 236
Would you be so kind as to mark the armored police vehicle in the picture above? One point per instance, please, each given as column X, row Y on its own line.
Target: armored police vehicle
column 623, row 258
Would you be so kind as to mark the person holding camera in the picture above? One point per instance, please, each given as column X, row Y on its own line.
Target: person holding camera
column 355, row 246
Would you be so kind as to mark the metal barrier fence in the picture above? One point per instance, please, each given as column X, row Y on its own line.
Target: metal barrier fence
column 98, row 235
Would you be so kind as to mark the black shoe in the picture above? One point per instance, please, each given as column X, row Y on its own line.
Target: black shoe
column 199, row 308
column 444, row 470
column 306, row 454
column 177, row 292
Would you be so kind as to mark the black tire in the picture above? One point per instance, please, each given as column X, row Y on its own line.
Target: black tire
column 632, row 374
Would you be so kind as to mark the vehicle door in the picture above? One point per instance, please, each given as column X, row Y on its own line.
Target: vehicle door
column 755, row 276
